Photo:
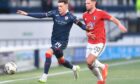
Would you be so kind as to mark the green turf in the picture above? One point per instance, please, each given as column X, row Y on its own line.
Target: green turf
column 121, row 74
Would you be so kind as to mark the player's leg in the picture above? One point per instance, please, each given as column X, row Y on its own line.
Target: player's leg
column 47, row 65
column 95, row 70
column 103, row 67
column 67, row 64
column 62, row 61
column 104, row 70
column 58, row 48
column 93, row 52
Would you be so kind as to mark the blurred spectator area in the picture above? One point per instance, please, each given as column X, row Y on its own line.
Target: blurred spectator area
column 9, row 6
column 122, row 9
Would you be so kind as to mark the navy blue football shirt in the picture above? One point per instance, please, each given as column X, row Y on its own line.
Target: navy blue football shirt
column 62, row 24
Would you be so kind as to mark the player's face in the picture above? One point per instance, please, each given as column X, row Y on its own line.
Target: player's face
column 62, row 8
column 90, row 4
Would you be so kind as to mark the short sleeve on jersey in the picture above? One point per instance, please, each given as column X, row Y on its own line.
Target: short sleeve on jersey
column 105, row 15
column 74, row 18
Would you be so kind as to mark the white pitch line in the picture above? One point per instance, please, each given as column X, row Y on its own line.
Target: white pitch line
column 66, row 72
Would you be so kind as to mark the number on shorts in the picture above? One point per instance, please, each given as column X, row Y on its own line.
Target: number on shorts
column 58, row 45
column 97, row 49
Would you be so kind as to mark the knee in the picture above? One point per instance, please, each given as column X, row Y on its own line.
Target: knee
column 90, row 61
column 49, row 53
column 58, row 52
column 61, row 60
column 90, row 64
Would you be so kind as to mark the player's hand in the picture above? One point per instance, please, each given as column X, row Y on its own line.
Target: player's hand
column 91, row 35
column 123, row 29
column 89, row 27
column 22, row 12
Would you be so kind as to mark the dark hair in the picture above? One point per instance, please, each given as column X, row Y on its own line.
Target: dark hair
column 63, row 1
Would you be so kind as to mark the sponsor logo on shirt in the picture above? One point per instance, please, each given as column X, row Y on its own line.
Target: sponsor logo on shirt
column 91, row 25
column 57, row 15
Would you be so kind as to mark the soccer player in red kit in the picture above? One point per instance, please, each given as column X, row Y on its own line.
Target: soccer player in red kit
column 94, row 18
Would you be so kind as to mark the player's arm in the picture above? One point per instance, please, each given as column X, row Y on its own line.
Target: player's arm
column 36, row 15
column 118, row 23
column 81, row 25
column 107, row 16
column 86, row 28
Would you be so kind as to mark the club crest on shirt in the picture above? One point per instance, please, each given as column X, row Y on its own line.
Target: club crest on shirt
column 91, row 25
column 66, row 18
column 94, row 18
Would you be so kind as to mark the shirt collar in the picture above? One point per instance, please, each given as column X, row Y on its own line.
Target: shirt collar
column 67, row 11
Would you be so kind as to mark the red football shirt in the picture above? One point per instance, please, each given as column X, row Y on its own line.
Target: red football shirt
column 97, row 21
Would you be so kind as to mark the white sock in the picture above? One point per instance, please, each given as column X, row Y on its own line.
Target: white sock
column 97, row 73
column 99, row 64
column 74, row 67
column 44, row 76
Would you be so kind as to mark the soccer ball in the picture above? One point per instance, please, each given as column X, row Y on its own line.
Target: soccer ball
column 10, row 68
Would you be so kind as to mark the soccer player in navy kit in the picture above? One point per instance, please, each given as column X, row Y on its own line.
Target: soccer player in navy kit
column 63, row 21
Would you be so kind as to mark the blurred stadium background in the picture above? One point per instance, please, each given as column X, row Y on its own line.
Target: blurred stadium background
column 24, row 40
